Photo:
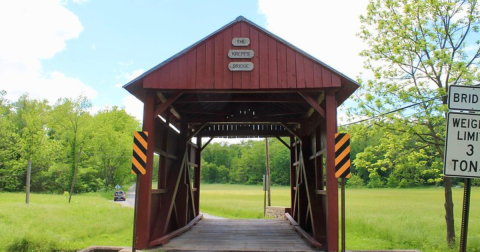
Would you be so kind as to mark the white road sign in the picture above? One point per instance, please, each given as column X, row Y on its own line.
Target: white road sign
column 462, row 145
column 464, row 98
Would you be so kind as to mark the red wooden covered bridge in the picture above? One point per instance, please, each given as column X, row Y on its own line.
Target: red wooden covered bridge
column 240, row 81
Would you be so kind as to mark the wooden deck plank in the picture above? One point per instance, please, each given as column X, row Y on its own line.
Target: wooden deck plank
column 239, row 235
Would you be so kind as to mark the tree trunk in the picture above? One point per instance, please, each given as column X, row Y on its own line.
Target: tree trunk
column 447, row 183
column 449, row 212
column 29, row 172
column 74, row 175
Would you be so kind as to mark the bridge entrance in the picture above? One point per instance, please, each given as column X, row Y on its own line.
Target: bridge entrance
column 239, row 81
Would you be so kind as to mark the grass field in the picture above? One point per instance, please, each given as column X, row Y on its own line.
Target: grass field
column 376, row 218
column 49, row 223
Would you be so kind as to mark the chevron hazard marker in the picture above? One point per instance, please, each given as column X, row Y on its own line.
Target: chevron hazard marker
column 139, row 158
column 342, row 155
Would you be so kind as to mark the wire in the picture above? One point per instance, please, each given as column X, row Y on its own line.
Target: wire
column 390, row 112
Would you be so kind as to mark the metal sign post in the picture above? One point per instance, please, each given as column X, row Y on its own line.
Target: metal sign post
column 343, row 213
column 465, row 214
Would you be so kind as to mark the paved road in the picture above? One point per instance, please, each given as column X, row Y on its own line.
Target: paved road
column 130, row 202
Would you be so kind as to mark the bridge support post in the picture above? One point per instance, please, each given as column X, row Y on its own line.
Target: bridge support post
column 145, row 181
column 332, row 182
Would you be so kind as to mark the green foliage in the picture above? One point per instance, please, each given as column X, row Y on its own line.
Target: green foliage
column 58, row 137
column 245, row 163
column 355, row 182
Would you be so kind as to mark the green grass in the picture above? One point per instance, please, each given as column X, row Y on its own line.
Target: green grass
column 375, row 218
column 49, row 223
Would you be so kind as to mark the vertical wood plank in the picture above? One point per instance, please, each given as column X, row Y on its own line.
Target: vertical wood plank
column 326, row 77
column 192, row 69
column 300, row 70
column 236, row 76
column 209, row 64
column 246, row 75
column 291, row 69
column 317, row 75
column 227, row 45
column 201, row 66
column 174, row 74
column 219, row 61
column 282, row 65
column 255, row 74
column 336, row 82
column 183, row 71
column 153, row 79
column 272, row 63
column 263, row 59
column 308, row 66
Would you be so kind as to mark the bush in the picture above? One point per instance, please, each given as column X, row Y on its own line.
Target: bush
column 27, row 245
column 355, row 181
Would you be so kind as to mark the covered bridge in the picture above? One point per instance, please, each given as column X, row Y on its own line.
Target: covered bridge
column 240, row 81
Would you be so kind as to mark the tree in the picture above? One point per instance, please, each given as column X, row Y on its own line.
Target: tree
column 416, row 49
column 111, row 145
column 9, row 152
column 30, row 120
column 70, row 124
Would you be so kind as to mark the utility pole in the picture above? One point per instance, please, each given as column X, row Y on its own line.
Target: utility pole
column 29, row 172
column 268, row 172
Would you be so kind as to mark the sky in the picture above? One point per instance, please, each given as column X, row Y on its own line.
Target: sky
column 53, row 49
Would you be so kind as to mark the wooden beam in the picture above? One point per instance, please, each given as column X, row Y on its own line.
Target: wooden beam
column 167, row 155
column 308, row 238
column 283, row 142
column 332, row 182
column 229, row 99
column 166, row 103
column 245, row 120
column 206, row 144
column 196, row 131
column 166, row 238
column 319, row 100
column 313, row 103
column 290, row 130
column 321, row 152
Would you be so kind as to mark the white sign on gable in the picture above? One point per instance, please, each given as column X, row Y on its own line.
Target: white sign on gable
column 464, row 98
column 241, row 54
column 240, row 66
column 462, row 145
column 240, row 41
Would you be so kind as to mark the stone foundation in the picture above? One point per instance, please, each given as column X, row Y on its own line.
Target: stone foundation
column 275, row 212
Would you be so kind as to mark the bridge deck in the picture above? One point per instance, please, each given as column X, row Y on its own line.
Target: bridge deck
column 239, row 235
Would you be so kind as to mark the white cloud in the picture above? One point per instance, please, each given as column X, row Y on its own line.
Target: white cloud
column 134, row 74
column 324, row 29
column 33, row 31
column 80, row 1
column 133, row 106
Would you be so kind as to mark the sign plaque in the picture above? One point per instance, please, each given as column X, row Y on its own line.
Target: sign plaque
column 240, row 41
column 464, row 98
column 240, row 54
column 240, row 66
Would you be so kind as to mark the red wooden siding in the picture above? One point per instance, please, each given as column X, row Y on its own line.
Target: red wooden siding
column 276, row 65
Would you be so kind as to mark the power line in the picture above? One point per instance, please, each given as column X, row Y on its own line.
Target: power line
column 393, row 111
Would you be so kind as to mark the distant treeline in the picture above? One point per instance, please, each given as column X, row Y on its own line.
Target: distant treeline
column 63, row 141
column 245, row 162
column 66, row 143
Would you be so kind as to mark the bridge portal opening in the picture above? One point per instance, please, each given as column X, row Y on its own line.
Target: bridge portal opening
column 239, row 81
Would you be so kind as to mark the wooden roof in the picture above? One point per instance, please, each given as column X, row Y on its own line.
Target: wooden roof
column 205, row 89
